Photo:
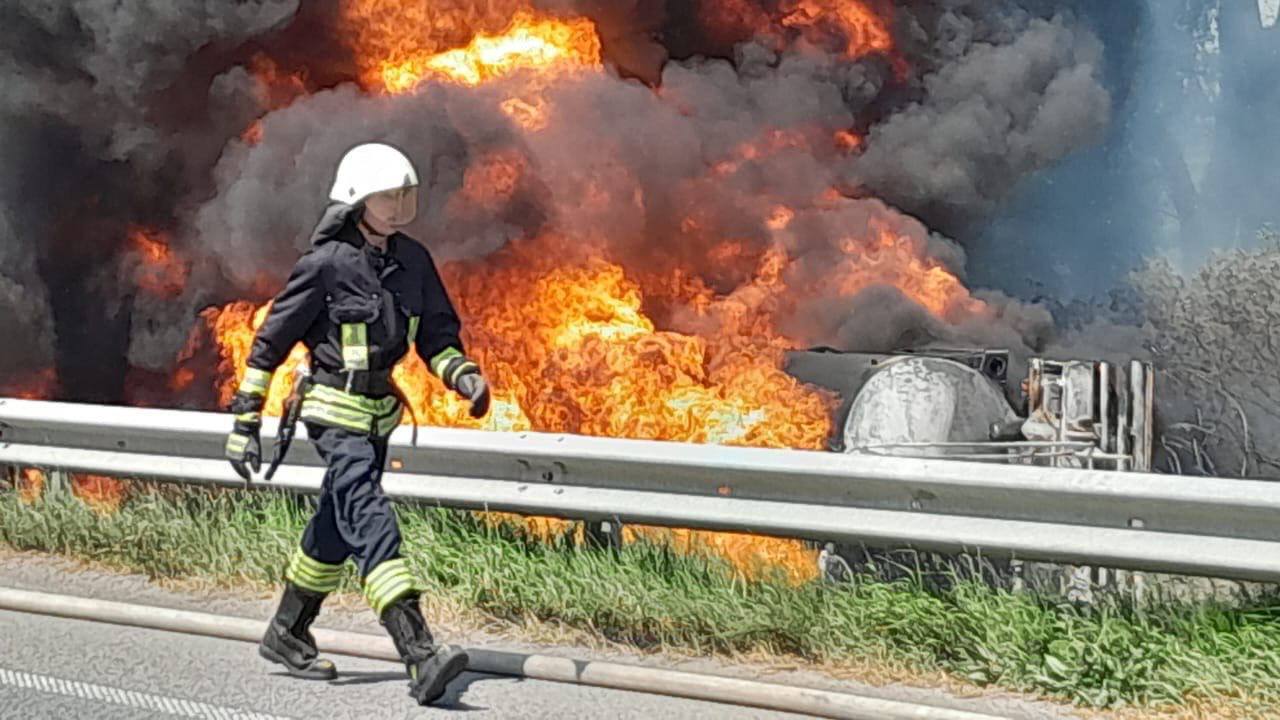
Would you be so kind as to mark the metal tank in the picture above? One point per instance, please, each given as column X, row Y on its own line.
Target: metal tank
column 959, row 403
column 925, row 407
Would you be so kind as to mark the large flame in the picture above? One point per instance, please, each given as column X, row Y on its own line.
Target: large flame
column 850, row 26
column 576, row 339
column 401, row 44
column 568, row 348
column 858, row 27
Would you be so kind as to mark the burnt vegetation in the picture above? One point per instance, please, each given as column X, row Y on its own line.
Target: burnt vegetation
column 1215, row 336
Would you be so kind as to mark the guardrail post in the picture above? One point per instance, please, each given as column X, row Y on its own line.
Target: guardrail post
column 57, row 483
column 603, row 533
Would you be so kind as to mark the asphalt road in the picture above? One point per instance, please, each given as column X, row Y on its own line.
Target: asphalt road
column 56, row 668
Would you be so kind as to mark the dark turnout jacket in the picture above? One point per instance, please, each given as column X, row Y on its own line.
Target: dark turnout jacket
column 342, row 279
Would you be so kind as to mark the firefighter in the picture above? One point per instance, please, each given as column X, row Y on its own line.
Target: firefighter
column 359, row 299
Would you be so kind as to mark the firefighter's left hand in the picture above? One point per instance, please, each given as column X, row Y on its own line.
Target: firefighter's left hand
column 473, row 387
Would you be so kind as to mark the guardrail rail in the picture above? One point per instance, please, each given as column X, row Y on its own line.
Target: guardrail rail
column 1191, row 526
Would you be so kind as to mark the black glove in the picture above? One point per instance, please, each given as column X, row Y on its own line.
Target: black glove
column 473, row 387
column 244, row 445
column 244, row 448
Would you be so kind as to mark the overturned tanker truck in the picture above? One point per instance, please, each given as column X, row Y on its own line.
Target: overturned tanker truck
column 960, row 404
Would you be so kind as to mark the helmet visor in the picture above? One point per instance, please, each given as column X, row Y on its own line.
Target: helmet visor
column 396, row 208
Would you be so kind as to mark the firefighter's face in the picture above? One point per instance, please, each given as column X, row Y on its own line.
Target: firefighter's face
column 396, row 208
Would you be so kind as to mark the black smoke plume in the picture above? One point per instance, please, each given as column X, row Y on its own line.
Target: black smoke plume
column 116, row 117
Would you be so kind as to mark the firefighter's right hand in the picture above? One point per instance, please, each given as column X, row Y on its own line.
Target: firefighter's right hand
column 244, row 448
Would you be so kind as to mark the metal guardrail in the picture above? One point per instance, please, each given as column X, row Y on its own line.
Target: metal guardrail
column 1194, row 526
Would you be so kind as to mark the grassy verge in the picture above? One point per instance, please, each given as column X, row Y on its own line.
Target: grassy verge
column 646, row 596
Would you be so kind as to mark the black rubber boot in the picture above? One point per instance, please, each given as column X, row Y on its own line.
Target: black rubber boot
column 288, row 640
column 430, row 666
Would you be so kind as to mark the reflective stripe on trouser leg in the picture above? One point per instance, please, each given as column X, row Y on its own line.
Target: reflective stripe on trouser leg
column 388, row 582
column 311, row 574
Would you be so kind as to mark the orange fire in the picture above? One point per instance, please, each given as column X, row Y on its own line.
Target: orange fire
column 40, row 385
column 568, row 348
column 276, row 88
column 851, row 26
column 160, row 271
column 399, row 45
column 771, row 143
column 862, row 30
column 578, row 339
column 252, row 135
column 890, row 258
column 103, row 495
column 30, row 485
column 848, row 141
column 232, row 327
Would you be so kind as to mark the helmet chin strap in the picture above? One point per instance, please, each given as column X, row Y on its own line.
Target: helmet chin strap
column 368, row 229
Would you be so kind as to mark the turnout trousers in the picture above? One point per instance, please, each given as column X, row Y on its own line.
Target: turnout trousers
column 353, row 519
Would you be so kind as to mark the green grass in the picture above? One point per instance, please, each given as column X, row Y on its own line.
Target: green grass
column 647, row 596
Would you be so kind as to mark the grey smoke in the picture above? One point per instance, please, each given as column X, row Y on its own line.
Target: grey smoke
column 97, row 64
column 24, row 309
column 993, row 115
column 1000, row 91
column 92, row 101
column 986, row 121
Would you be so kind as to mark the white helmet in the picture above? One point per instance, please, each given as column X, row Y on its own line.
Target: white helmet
column 371, row 168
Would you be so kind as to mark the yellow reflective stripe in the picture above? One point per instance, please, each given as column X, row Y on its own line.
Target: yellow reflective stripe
column 330, row 406
column 441, row 359
column 311, row 574
column 237, row 443
column 255, row 382
column 390, row 422
column 327, row 421
column 351, row 401
column 388, row 582
column 298, row 572
column 340, row 399
column 318, row 401
column 325, row 415
column 250, row 417
column 462, row 369
column 301, row 559
column 384, row 569
column 355, row 346
column 413, row 328
column 392, row 594
column 320, row 586
column 302, row 578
